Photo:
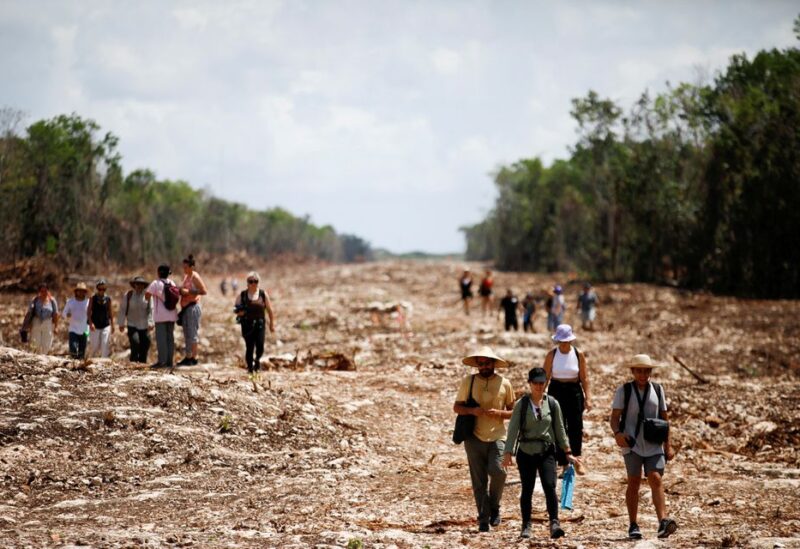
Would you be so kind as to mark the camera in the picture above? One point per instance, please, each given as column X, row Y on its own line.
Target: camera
column 239, row 309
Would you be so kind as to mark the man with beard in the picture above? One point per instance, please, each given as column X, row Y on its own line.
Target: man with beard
column 494, row 396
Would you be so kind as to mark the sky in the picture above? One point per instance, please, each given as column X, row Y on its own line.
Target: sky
column 385, row 119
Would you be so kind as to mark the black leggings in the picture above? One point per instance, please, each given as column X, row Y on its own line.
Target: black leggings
column 253, row 334
column 545, row 465
column 570, row 397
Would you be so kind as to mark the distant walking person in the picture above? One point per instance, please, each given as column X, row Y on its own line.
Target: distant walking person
column 537, row 427
column 253, row 307
column 568, row 381
column 495, row 397
column 528, row 310
column 510, row 305
column 587, row 303
column 465, row 285
column 136, row 310
column 642, row 449
column 556, row 308
column 101, row 321
column 192, row 288
column 41, row 320
column 485, row 290
column 165, row 314
column 76, row 310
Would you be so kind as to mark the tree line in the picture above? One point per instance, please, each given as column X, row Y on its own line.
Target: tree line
column 697, row 186
column 63, row 194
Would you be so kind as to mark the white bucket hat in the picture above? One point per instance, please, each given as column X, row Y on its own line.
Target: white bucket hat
column 484, row 352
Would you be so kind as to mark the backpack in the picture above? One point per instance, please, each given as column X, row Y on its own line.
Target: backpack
column 172, row 295
column 577, row 356
column 526, row 399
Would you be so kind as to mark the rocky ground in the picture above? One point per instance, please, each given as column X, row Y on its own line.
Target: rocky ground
column 345, row 439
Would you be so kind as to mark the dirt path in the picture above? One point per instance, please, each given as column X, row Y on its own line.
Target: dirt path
column 117, row 456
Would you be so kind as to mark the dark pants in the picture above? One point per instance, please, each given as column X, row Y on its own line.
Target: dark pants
column 545, row 465
column 511, row 322
column 527, row 321
column 570, row 398
column 487, row 475
column 253, row 334
column 77, row 345
column 140, row 344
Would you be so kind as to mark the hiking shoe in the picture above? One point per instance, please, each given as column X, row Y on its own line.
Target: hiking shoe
column 158, row 365
column 666, row 527
column 483, row 527
column 634, row 532
column 526, row 530
column 495, row 521
column 194, row 362
column 555, row 529
column 186, row 361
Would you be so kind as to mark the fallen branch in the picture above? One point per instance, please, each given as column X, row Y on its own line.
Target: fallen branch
column 697, row 376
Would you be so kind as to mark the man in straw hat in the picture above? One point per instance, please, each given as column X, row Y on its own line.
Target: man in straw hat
column 495, row 397
column 640, row 453
column 136, row 310
column 76, row 310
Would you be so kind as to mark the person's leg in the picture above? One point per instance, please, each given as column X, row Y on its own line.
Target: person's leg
column 259, row 344
column 82, row 346
column 547, row 474
column 169, row 327
column 144, row 345
column 189, row 322
column 105, row 348
column 161, row 342
column 477, row 457
column 134, row 342
column 559, row 391
column 94, row 343
column 633, row 468
column 653, row 470
column 73, row 344
column 249, row 343
column 573, row 417
column 497, row 476
column 527, row 477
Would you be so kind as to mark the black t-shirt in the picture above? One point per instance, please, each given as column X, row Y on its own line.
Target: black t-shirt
column 100, row 317
column 509, row 305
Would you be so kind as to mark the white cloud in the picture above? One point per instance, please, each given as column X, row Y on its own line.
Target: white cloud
column 445, row 61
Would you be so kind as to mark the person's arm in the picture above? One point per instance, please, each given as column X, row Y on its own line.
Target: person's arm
column 56, row 316
column 560, row 433
column 270, row 313
column 123, row 311
column 89, row 315
column 548, row 367
column 110, row 308
column 199, row 285
column 150, row 323
column 668, row 452
column 513, row 432
column 584, row 379
column 619, row 437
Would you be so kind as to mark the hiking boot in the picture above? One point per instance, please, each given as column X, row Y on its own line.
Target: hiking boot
column 555, row 529
column 186, row 361
column 634, row 532
column 495, row 520
column 526, row 530
column 483, row 527
column 666, row 527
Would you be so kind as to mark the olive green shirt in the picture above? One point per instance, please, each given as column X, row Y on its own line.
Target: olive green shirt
column 539, row 429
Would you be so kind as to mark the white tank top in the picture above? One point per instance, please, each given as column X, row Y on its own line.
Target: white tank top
column 565, row 366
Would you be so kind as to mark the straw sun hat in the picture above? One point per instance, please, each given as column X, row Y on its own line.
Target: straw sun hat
column 641, row 361
column 484, row 352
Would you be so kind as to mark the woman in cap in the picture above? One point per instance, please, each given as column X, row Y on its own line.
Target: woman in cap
column 568, row 380
column 495, row 398
column 136, row 310
column 41, row 319
column 76, row 310
column 252, row 307
column 537, row 426
column 101, row 321
column 639, row 452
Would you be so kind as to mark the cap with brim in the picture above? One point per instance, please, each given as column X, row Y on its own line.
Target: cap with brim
column 537, row 375
column 101, row 282
column 484, row 352
column 563, row 334
column 642, row 361
column 138, row 280
column 81, row 287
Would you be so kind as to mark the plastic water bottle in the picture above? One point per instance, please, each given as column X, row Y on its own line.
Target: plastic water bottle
column 567, row 487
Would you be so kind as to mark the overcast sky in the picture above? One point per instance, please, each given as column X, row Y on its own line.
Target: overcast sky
column 382, row 118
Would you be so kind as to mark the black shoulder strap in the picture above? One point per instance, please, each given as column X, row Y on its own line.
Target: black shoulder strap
column 524, row 402
column 577, row 355
column 642, row 401
column 263, row 295
column 551, row 402
column 626, row 397
column 244, row 299
column 128, row 295
column 660, row 393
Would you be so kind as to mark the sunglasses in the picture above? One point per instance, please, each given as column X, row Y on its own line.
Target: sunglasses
column 101, row 289
column 252, row 281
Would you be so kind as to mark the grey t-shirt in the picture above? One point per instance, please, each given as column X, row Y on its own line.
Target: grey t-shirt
column 642, row 447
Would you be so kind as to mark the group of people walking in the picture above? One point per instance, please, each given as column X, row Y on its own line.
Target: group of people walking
column 545, row 431
column 148, row 307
